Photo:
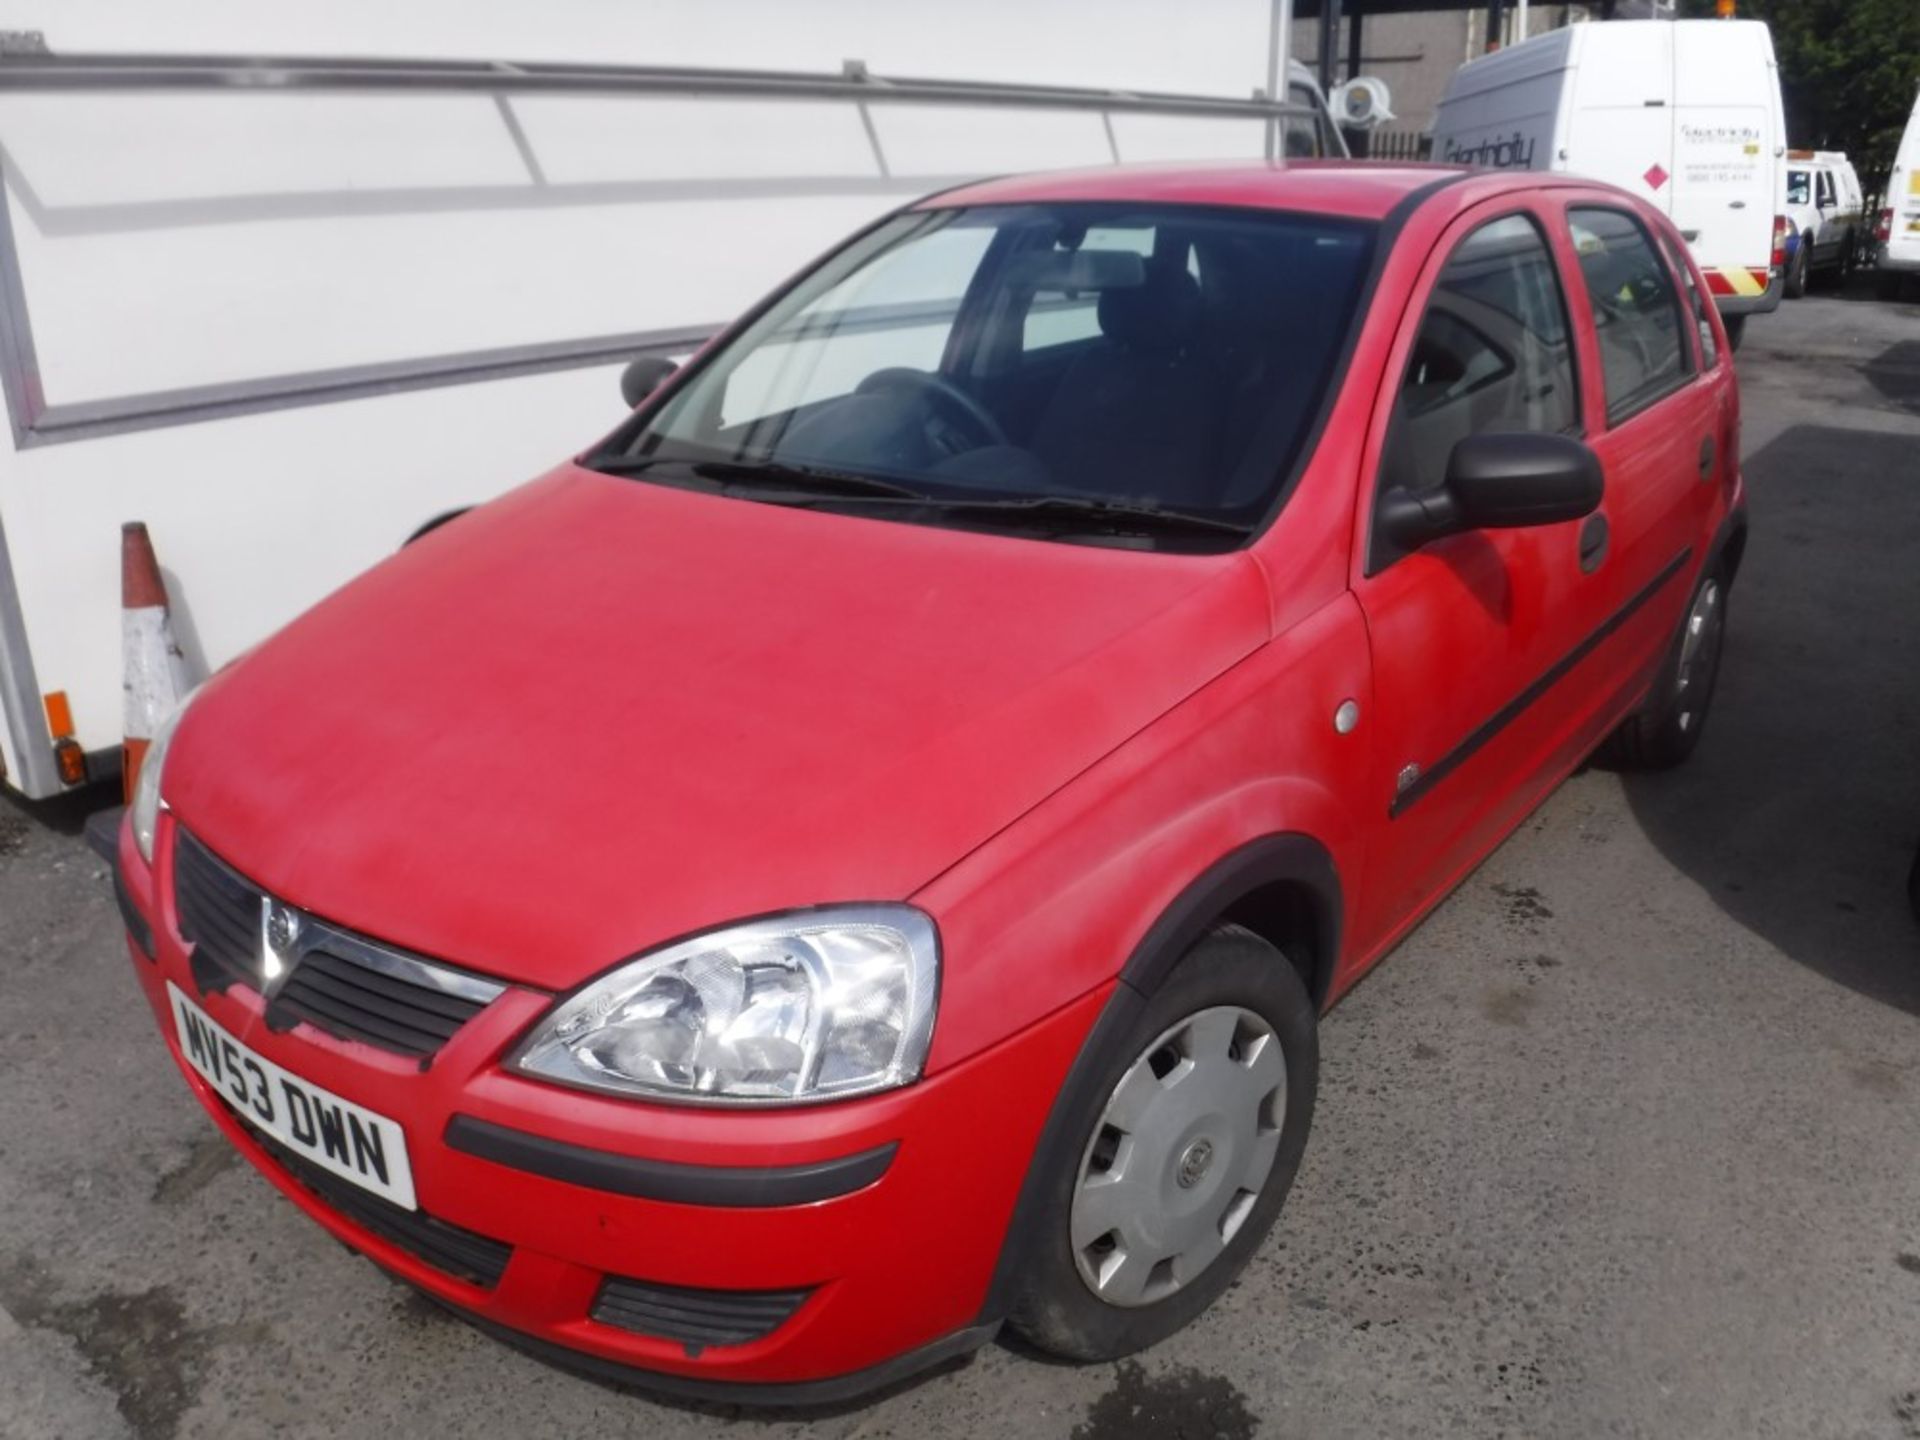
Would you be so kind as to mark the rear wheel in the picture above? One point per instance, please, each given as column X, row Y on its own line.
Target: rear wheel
column 1796, row 283
column 1736, row 329
column 1663, row 732
column 1890, row 285
column 1185, row 1154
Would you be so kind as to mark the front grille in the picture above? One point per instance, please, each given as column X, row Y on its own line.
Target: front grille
column 448, row 1248
column 219, row 914
column 340, row 982
column 695, row 1318
column 356, row 1002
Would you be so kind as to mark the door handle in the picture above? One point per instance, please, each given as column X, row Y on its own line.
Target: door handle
column 1706, row 458
column 1594, row 537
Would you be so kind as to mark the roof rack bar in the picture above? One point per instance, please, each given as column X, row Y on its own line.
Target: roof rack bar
column 287, row 74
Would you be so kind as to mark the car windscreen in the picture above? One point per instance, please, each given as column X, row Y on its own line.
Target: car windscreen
column 999, row 364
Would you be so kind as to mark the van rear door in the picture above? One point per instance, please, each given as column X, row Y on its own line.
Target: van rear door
column 1728, row 140
column 1620, row 128
column 1900, row 213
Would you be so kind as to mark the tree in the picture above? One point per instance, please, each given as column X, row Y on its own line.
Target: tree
column 1849, row 70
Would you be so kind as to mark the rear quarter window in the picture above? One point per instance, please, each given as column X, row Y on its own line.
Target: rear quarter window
column 1696, row 303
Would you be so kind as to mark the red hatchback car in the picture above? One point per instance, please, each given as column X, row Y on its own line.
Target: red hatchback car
column 857, row 858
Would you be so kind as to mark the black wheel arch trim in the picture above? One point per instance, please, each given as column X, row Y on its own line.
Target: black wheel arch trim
column 1281, row 858
column 1729, row 542
column 1290, row 858
column 719, row 1186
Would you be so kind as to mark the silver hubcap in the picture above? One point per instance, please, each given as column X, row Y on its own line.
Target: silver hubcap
column 1699, row 652
column 1179, row 1156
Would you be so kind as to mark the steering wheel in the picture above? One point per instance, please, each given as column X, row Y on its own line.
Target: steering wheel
column 944, row 394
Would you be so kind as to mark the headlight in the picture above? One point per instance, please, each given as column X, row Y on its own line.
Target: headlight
column 815, row 1005
column 145, row 806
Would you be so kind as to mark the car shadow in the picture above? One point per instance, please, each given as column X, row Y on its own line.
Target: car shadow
column 1800, row 810
column 1895, row 373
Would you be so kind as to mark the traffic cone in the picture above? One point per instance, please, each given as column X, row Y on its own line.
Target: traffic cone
column 155, row 671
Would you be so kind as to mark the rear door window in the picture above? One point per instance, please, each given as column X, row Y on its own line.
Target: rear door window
column 1638, row 316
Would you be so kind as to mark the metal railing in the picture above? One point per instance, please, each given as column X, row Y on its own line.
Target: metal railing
column 274, row 74
column 1399, row 145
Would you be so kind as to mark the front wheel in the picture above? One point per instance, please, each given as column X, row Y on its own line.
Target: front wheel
column 1186, row 1151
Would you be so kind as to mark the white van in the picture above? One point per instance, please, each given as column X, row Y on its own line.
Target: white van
column 1825, row 216
column 1684, row 113
column 1898, row 230
column 290, row 309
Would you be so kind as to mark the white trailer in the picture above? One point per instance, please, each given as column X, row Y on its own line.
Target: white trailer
column 1685, row 114
column 288, row 310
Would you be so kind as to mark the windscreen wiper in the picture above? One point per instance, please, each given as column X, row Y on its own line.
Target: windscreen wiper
column 793, row 484
column 814, row 482
column 1064, row 512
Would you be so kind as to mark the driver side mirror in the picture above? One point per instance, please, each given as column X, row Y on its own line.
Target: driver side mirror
column 643, row 376
column 1499, row 482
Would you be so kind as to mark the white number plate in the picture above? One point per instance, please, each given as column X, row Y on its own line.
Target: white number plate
column 350, row 1140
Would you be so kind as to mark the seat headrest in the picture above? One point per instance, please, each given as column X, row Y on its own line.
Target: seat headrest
column 1161, row 314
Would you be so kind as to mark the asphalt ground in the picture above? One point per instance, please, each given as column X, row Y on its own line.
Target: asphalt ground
column 1622, row 1142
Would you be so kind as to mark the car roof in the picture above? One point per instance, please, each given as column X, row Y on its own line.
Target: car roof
column 1367, row 190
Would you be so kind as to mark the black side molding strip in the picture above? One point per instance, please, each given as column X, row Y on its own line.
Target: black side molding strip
column 728, row 1186
column 1515, row 707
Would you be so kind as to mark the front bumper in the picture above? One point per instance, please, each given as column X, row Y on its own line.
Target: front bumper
column 886, row 1215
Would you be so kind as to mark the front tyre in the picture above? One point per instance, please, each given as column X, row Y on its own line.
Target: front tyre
column 1185, row 1153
